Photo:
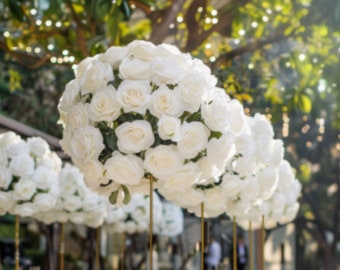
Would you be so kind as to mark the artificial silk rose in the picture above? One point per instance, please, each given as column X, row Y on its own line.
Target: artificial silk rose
column 169, row 128
column 267, row 179
column 72, row 203
column 69, row 97
column 193, row 140
column 220, row 151
column 124, row 169
column 16, row 149
column 78, row 116
column 215, row 111
column 86, row 144
column 183, row 178
column 165, row 101
column 22, row 165
column 44, row 177
column 8, row 138
column 167, row 70
column 93, row 75
column 162, row 160
column 44, row 201
column 24, row 189
column 215, row 202
column 104, row 105
column 131, row 68
column 262, row 127
column 38, row 146
column 133, row 96
column 113, row 56
column 134, row 137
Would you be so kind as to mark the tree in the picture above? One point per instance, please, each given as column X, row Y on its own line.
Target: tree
column 278, row 58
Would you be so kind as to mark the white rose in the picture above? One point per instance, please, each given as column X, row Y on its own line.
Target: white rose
column 44, row 201
column 237, row 117
column 77, row 117
column 124, row 169
column 216, row 112
column 276, row 153
column 22, row 165
column 86, row 144
column 286, row 174
column 238, row 207
column 141, row 49
column 93, row 75
column 93, row 171
column 72, row 203
column 104, row 105
column 51, row 161
column 38, row 146
column 250, row 191
column 268, row 179
column 208, row 169
column 245, row 145
column 162, row 160
column 190, row 198
column 290, row 213
column 262, row 127
column 232, row 185
column 8, row 138
column 94, row 219
column 5, row 178
column 165, row 101
column 20, row 148
column 70, row 96
column 134, row 96
column 194, row 139
column 91, row 203
column 167, row 70
column 134, row 69
column 44, row 178
column 245, row 165
column 24, row 210
column 78, row 217
column 183, row 178
column 134, row 137
column 220, row 151
column 113, row 56
column 24, row 189
column 7, row 201
column 169, row 128
column 215, row 202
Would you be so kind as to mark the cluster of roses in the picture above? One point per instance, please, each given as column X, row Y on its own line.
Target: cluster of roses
column 145, row 113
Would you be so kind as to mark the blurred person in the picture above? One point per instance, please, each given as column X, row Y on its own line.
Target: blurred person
column 241, row 254
column 213, row 256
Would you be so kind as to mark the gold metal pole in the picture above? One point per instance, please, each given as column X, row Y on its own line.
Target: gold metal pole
column 17, row 249
column 61, row 247
column 202, row 236
column 97, row 247
column 151, row 225
column 234, row 244
column 123, row 251
column 263, row 241
column 250, row 234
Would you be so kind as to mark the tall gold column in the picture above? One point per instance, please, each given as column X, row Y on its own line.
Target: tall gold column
column 250, row 235
column 17, row 248
column 202, row 236
column 61, row 247
column 151, row 225
column 234, row 244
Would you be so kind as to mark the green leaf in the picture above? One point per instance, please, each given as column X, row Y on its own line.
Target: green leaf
column 114, row 196
column 127, row 195
column 304, row 102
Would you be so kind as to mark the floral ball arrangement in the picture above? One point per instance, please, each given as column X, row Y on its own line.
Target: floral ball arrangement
column 75, row 203
column 28, row 175
column 145, row 112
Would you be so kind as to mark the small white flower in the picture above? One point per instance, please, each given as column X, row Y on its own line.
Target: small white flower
column 22, row 165
column 24, row 189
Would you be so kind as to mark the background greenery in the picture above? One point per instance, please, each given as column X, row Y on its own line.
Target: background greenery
column 278, row 57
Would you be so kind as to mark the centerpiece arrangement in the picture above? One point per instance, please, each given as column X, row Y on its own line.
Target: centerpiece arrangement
column 145, row 113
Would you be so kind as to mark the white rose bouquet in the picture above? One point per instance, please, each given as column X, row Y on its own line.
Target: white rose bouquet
column 172, row 221
column 28, row 175
column 145, row 112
